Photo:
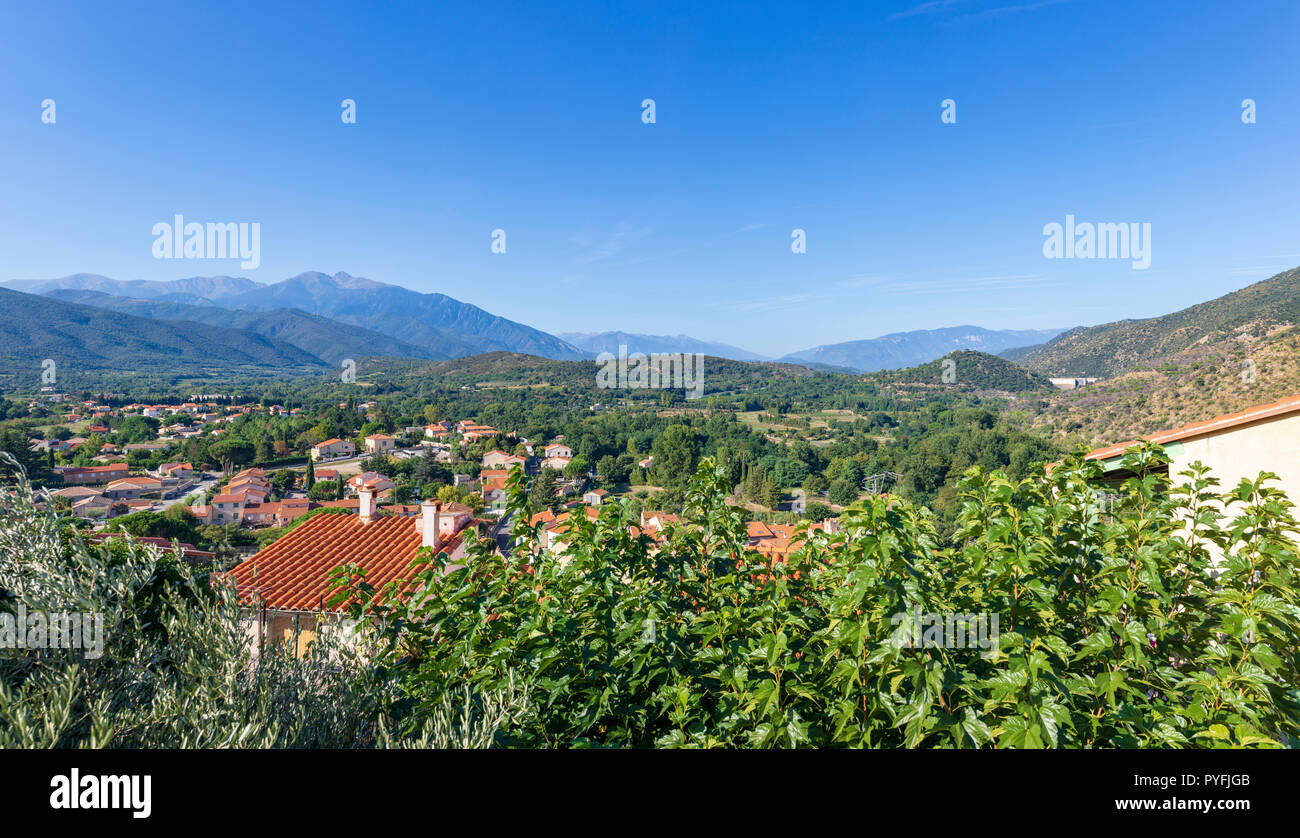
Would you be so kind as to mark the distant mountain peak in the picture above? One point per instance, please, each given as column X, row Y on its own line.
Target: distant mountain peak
column 898, row 350
column 594, row 343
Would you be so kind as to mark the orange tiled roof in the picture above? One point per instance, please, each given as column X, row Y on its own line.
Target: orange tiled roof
column 188, row 550
column 545, row 517
column 1291, row 404
column 293, row 572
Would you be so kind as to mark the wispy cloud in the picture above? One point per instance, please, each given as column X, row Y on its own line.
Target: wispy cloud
column 975, row 286
column 952, row 11
column 592, row 248
column 772, row 303
column 897, row 287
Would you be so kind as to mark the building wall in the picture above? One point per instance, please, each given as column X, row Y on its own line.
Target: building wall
column 1243, row 452
column 291, row 628
column 276, row 627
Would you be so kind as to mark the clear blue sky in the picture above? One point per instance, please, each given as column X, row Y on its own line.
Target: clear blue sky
column 527, row 117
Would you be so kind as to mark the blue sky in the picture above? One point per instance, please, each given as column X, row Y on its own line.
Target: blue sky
column 527, row 117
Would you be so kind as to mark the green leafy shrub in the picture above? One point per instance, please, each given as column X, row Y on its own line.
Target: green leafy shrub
column 1117, row 625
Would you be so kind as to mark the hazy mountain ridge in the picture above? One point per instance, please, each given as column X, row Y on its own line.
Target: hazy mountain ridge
column 899, row 350
column 193, row 288
column 442, row 326
column 597, row 342
column 319, row 336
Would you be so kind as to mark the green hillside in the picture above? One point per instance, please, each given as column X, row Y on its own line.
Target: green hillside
column 87, row 338
column 969, row 371
column 1114, row 348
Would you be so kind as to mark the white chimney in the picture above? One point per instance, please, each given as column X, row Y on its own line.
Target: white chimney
column 366, row 510
column 430, row 512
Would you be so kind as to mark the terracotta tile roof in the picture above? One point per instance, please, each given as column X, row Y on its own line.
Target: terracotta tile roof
column 115, row 467
column 151, row 482
column 75, row 492
column 544, row 517
column 293, row 572
column 345, row 503
column 1291, row 404
column 561, row 520
column 189, row 551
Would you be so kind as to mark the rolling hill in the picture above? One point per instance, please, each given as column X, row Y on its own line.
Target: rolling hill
column 969, row 371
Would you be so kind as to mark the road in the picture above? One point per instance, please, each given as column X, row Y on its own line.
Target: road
column 501, row 532
column 197, row 489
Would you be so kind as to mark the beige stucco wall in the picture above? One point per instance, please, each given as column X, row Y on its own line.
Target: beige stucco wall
column 1245, row 451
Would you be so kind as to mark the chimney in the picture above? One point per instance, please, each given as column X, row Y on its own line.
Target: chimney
column 367, row 508
column 428, row 522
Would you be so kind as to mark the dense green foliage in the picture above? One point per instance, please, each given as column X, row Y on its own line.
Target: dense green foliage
column 1116, row 631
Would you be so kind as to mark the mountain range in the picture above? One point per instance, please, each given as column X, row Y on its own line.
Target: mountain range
column 326, row 339
column 1173, row 367
column 85, row 337
column 908, row 349
column 440, row 326
column 598, row 342
column 332, row 317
